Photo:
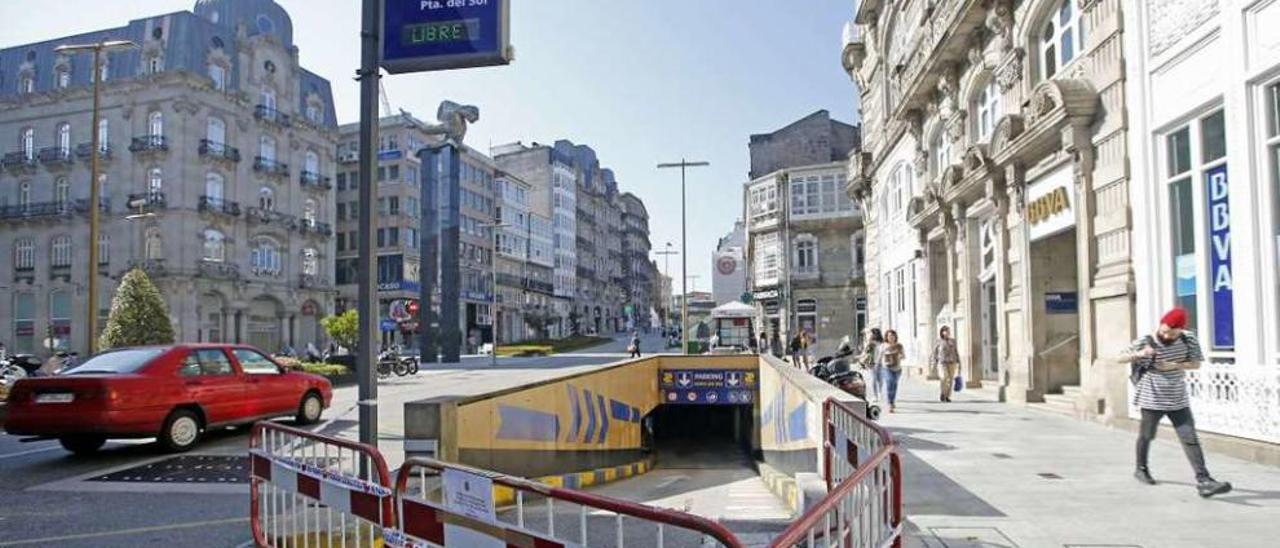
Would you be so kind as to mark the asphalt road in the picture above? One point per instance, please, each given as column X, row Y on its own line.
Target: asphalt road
column 46, row 500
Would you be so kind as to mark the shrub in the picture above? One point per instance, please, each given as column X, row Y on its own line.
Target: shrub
column 139, row 316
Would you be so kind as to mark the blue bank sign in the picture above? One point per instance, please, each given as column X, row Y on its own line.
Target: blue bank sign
column 427, row 35
column 1224, row 317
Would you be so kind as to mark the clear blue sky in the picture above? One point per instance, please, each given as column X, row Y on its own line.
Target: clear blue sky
column 641, row 81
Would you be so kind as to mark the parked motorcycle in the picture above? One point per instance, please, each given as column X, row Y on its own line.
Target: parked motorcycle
column 19, row 366
column 389, row 362
column 835, row 370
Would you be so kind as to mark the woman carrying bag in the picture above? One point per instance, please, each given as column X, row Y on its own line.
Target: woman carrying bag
column 891, row 362
column 946, row 361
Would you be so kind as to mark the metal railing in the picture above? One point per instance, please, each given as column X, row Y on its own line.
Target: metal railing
column 268, row 114
column 270, row 166
column 863, row 506
column 147, row 143
column 312, row 490
column 539, row 511
column 222, row 151
column 219, row 205
column 311, row 179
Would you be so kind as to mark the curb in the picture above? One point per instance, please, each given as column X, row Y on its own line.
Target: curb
column 506, row 496
column 782, row 485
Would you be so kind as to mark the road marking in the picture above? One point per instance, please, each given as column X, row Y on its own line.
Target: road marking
column 119, row 532
column 30, row 452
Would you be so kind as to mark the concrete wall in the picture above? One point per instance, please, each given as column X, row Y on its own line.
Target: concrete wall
column 791, row 416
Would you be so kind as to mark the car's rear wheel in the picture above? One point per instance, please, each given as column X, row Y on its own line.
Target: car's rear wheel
column 181, row 431
column 310, row 409
column 82, row 445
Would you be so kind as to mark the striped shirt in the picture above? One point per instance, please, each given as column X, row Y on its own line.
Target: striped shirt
column 1165, row 390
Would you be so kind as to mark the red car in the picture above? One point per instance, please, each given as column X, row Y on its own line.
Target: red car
column 173, row 393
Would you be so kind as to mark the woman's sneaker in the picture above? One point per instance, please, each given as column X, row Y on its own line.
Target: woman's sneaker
column 1144, row 476
column 1209, row 487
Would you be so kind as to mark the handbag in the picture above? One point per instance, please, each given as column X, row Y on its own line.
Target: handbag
column 958, row 385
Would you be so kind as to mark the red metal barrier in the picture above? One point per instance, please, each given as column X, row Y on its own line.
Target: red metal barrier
column 525, row 518
column 306, row 487
column 863, row 506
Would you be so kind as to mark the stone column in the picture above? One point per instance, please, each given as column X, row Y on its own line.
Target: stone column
column 239, row 327
column 1000, row 221
column 292, row 331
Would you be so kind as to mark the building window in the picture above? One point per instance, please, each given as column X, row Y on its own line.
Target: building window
column 104, row 135
column 155, row 180
column 60, row 252
column 24, row 196
column 268, row 98
column 24, row 254
column 806, row 255
column 154, row 244
column 26, row 84
column 310, row 262
column 1272, row 97
column 64, row 139
column 987, row 105
column 104, row 70
column 155, row 123
column 767, row 267
column 265, row 258
column 24, row 323
column 28, row 142
column 62, row 77
column 155, row 65
column 267, row 148
column 104, row 248
column 309, row 212
column 941, row 149
column 214, row 246
column 266, row 199
column 314, row 113
column 900, row 288
column 1195, row 174
column 213, row 188
column 1061, row 39
column 218, row 74
column 857, row 250
column 62, row 194
column 215, row 132
column 311, row 163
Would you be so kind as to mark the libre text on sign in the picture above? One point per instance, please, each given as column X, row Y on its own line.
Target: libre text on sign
column 427, row 35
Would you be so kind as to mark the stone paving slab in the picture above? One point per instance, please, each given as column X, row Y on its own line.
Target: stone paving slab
column 980, row 473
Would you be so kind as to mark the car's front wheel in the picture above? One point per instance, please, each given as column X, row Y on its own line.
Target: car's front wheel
column 82, row 445
column 181, row 431
column 310, row 409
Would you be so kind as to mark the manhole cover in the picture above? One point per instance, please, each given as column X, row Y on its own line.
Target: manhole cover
column 1002, row 455
column 204, row 469
column 1049, row 476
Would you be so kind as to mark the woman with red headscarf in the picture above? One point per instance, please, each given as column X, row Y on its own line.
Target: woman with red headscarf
column 1158, row 370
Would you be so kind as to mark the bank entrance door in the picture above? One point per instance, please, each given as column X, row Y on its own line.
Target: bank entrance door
column 990, row 341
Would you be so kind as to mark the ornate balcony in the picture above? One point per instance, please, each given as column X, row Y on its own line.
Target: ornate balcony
column 219, row 206
column 219, row 151
column 270, row 115
column 270, row 216
column 84, row 151
column 149, row 144
column 218, row 270
column 313, row 281
column 18, row 161
column 56, row 157
column 270, row 167
column 148, row 201
column 48, row 210
column 313, row 180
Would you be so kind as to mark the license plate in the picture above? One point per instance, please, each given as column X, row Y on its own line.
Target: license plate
column 55, row 398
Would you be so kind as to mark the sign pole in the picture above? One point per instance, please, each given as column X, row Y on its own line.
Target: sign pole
column 366, row 351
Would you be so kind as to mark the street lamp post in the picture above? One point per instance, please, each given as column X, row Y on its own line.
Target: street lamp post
column 95, row 199
column 493, row 273
column 684, row 248
column 666, row 272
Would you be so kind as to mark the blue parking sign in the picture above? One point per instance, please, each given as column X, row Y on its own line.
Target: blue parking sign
column 428, row 35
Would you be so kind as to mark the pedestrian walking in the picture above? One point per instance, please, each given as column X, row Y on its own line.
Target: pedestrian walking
column 763, row 346
column 1158, row 370
column 775, row 345
column 871, row 347
column 890, row 356
column 945, row 360
column 797, row 344
column 634, row 349
column 807, row 345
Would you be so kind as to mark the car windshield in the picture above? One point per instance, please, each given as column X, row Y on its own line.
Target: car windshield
column 118, row 362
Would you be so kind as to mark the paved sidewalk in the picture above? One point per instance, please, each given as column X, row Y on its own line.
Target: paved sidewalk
column 988, row 474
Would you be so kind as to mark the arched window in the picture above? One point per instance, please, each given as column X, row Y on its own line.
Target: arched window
column 310, row 262
column 154, row 244
column 62, row 194
column 1061, row 38
column 64, row 138
column 24, row 254
column 218, row 74
column 26, row 84
column 103, row 189
column 268, row 98
column 267, row 148
column 28, row 142
column 62, row 77
column 312, row 163
column 104, row 135
column 805, row 259
column 155, row 180
column 214, row 246
column 309, row 212
column 155, row 123
column 216, row 133
column 313, row 113
column 987, row 106
column 266, row 199
column 264, row 258
column 213, row 186
column 155, row 64
column 24, row 196
column 60, row 251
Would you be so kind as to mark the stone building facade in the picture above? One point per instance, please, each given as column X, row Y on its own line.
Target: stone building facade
column 994, row 174
column 803, row 232
column 1208, row 158
column 638, row 272
column 217, row 156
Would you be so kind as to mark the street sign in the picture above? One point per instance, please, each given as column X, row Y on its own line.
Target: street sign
column 708, row 386
column 429, row 35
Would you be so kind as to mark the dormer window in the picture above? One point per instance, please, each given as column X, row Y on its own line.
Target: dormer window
column 62, row 77
column 218, row 74
column 155, row 65
column 1061, row 39
column 26, row 84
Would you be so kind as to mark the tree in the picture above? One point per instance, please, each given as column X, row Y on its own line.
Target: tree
column 539, row 320
column 139, row 316
column 344, row 328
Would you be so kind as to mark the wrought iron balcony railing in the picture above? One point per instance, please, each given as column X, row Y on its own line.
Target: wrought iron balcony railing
column 219, row 151
column 219, row 205
column 149, row 143
column 18, row 160
column 84, row 151
column 271, row 115
column 218, row 270
column 56, row 156
column 311, row 179
column 270, row 166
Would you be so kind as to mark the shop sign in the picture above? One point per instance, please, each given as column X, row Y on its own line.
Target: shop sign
column 766, row 294
column 1049, row 207
column 1061, row 302
column 1224, row 334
